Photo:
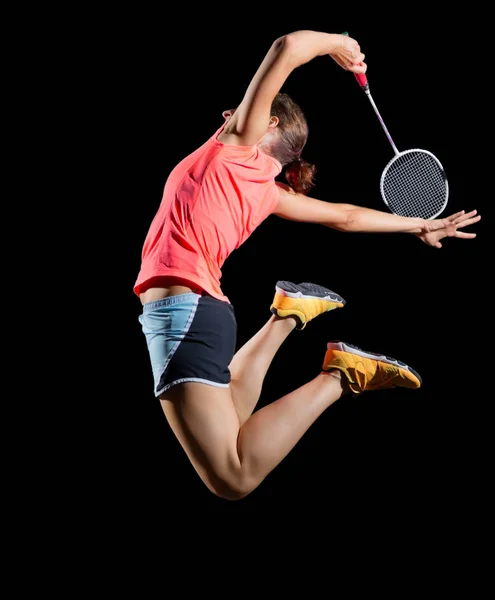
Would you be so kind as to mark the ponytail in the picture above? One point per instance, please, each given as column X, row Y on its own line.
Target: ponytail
column 300, row 175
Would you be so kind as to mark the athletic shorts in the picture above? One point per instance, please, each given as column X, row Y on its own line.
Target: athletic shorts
column 190, row 337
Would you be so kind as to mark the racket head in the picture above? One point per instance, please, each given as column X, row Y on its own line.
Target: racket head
column 414, row 184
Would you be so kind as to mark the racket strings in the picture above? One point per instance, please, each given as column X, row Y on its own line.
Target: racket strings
column 414, row 184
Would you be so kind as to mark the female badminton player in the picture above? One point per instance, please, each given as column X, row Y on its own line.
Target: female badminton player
column 212, row 201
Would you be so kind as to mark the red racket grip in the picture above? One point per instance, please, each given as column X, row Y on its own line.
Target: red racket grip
column 362, row 80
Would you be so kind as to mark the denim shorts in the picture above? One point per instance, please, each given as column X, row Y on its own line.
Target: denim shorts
column 190, row 337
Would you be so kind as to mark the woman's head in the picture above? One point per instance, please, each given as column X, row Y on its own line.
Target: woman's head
column 287, row 142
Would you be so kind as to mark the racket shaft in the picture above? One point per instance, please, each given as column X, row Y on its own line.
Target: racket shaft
column 382, row 123
column 365, row 86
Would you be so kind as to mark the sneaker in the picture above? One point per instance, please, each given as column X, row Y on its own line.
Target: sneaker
column 367, row 370
column 304, row 301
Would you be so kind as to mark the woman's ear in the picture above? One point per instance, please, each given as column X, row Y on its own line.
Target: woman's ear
column 227, row 114
column 273, row 122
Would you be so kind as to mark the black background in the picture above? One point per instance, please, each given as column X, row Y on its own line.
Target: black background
column 396, row 454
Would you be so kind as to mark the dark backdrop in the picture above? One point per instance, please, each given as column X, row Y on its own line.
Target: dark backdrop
column 398, row 453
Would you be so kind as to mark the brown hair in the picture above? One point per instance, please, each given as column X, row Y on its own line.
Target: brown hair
column 292, row 137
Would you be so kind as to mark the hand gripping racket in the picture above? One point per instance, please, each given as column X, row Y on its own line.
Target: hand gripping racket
column 413, row 184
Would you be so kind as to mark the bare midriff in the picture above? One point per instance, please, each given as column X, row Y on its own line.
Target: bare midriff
column 163, row 287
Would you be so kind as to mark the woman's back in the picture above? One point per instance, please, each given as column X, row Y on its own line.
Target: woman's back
column 212, row 201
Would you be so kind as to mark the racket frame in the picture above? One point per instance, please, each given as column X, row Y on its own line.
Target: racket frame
column 412, row 151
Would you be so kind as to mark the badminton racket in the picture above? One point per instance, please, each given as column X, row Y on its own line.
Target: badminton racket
column 413, row 183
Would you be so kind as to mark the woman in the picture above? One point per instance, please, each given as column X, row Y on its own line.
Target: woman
column 212, row 201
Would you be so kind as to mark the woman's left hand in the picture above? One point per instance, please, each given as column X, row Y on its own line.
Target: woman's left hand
column 437, row 229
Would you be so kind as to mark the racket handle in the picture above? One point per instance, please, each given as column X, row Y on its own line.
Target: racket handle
column 360, row 77
column 362, row 80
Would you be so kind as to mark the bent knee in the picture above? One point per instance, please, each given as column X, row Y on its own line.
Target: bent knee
column 234, row 486
column 231, row 493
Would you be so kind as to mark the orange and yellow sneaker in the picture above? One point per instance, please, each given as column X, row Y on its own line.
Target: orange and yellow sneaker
column 367, row 371
column 303, row 301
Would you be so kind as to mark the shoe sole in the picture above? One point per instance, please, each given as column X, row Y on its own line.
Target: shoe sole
column 307, row 290
column 351, row 349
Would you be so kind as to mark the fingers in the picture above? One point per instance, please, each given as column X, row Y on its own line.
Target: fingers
column 358, row 57
column 456, row 215
column 461, row 216
column 467, row 221
column 358, row 68
column 464, row 235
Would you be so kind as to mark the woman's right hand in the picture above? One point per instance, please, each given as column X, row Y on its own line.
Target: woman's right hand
column 348, row 55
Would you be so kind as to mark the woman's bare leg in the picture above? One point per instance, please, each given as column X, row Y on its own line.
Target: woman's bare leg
column 294, row 305
column 231, row 448
column 232, row 460
column 251, row 362
column 234, row 449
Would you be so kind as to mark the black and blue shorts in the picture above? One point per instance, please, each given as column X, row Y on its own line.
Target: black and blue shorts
column 190, row 337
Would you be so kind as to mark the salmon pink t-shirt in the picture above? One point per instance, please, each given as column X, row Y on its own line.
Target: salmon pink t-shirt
column 212, row 201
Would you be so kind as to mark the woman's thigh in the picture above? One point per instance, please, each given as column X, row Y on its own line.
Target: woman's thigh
column 191, row 340
column 204, row 420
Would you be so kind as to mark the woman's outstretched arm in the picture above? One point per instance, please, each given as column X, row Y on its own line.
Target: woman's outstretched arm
column 352, row 218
